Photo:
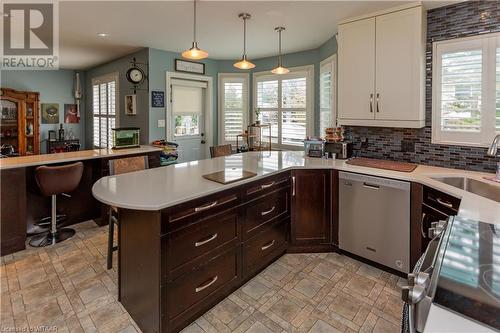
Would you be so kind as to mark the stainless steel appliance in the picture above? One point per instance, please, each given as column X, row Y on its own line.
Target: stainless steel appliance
column 341, row 149
column 314, row 147
column 125, row 137
column 459, row 272
column 374, row 219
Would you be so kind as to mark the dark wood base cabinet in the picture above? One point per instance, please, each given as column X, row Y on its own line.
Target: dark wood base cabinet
column 314, row 211
column 177, row 263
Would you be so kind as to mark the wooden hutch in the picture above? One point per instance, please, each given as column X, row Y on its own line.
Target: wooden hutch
column 20, row 120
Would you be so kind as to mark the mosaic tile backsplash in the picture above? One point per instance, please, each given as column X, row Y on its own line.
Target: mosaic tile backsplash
column 460, row 20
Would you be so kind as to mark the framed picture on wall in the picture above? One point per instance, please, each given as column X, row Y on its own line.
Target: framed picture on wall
column 130, row 105
column 71, row 114
column 50, row 113
column 189, row 66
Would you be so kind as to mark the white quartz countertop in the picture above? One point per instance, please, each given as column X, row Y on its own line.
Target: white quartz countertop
column 158, row 188
column 43, row 159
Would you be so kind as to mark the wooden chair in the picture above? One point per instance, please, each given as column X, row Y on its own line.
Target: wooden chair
column 223, row 150
column 117, row 167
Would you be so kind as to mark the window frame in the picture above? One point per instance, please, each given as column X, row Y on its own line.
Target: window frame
column 232, row 77
column 106, row 78
column 295, row 72
column 331, row 64
column 488, row 43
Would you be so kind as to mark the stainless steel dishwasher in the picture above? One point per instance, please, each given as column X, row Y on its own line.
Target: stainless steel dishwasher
column 374, row 219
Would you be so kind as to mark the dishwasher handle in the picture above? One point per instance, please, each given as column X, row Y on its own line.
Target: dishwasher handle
column 371, row 186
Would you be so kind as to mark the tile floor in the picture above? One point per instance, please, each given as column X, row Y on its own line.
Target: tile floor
column 66, row 288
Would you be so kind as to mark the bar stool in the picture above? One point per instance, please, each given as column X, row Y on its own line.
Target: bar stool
column 117, row 167
column 54, row 180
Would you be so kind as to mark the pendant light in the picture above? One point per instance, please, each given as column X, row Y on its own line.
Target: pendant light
column 280, row 69
column 244, row 63
column 194, row 52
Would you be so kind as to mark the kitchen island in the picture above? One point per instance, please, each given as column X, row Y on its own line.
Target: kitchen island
column 23, row 205
column 187, row 242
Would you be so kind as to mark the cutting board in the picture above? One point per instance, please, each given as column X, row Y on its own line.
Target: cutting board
column 229, row 176
column 382, row 164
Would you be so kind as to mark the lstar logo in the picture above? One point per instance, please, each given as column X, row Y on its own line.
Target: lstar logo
column 30, row 35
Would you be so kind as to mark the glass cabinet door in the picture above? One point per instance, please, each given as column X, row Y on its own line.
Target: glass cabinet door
column 9, row 124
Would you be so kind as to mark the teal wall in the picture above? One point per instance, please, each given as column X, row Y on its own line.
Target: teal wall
column 121, row 66
column 303, row 58
column 161, row 62
column 54, row 87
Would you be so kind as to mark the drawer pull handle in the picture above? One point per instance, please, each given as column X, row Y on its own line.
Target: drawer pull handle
column 202, row 208
column 205, row 241
column 267, row 185
column 268, row 245
column 444, row 203
column 206, row 285
column 268, row 211
column 373, row 187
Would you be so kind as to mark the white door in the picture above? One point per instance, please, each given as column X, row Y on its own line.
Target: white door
column 399, row 65
column 187, row 123
column 356, row 70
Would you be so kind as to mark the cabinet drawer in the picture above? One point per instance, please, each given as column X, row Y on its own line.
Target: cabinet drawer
column 199, row 208
column 265, row 247
column 267, row 185
column 197, row 239
column 264, row 210
column 443, row 202
column 201, row 283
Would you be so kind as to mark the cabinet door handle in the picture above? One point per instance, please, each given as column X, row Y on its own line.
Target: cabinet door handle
column 205, row 241
column 201, row 208
column 268, row 245
column 268, row 211
column 444, row 203
column 422, row 226
column 206, row 285
column 371, row 103
column 378, row 97
column 293, row 186
column 266, row 185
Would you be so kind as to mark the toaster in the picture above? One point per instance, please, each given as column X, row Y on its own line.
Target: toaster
column 341, row 149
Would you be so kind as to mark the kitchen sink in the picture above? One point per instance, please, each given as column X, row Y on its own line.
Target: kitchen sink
column 490, row 191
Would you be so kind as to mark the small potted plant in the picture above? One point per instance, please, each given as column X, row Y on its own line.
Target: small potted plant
column 257, row 114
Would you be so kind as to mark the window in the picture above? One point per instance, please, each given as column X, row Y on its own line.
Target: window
column 466, row 90
column 104, row 95
column 327, row 109
column 233, row 106
column 285, row 102
column 187, row 107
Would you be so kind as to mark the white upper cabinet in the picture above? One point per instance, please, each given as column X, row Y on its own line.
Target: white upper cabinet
column 382, row 69
column 356, row 69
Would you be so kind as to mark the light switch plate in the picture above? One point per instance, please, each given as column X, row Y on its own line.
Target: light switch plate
column 161, row 123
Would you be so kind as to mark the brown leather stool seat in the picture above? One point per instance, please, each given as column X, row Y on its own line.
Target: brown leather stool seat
column 54, row 180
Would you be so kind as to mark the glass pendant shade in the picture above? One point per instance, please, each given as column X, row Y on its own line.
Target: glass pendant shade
column 280, row 69
column 194, row 53
column 244, row 63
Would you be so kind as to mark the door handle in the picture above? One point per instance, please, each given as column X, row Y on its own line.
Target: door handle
column 203, row 142
column 293, row 186
column 378, row 97
column 371, row 103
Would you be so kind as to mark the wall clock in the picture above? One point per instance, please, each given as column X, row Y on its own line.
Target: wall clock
column 135, row 75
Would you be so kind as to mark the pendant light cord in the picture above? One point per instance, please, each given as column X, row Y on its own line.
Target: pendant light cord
column 279, row 48
column 194, row 23
column 244, row 36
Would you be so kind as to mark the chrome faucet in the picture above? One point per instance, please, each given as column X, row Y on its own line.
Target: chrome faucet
column 492, row 151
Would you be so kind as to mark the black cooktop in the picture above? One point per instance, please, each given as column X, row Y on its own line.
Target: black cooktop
column 469, row 279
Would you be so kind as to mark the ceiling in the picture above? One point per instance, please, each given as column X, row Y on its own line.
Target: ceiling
column 167, row 25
